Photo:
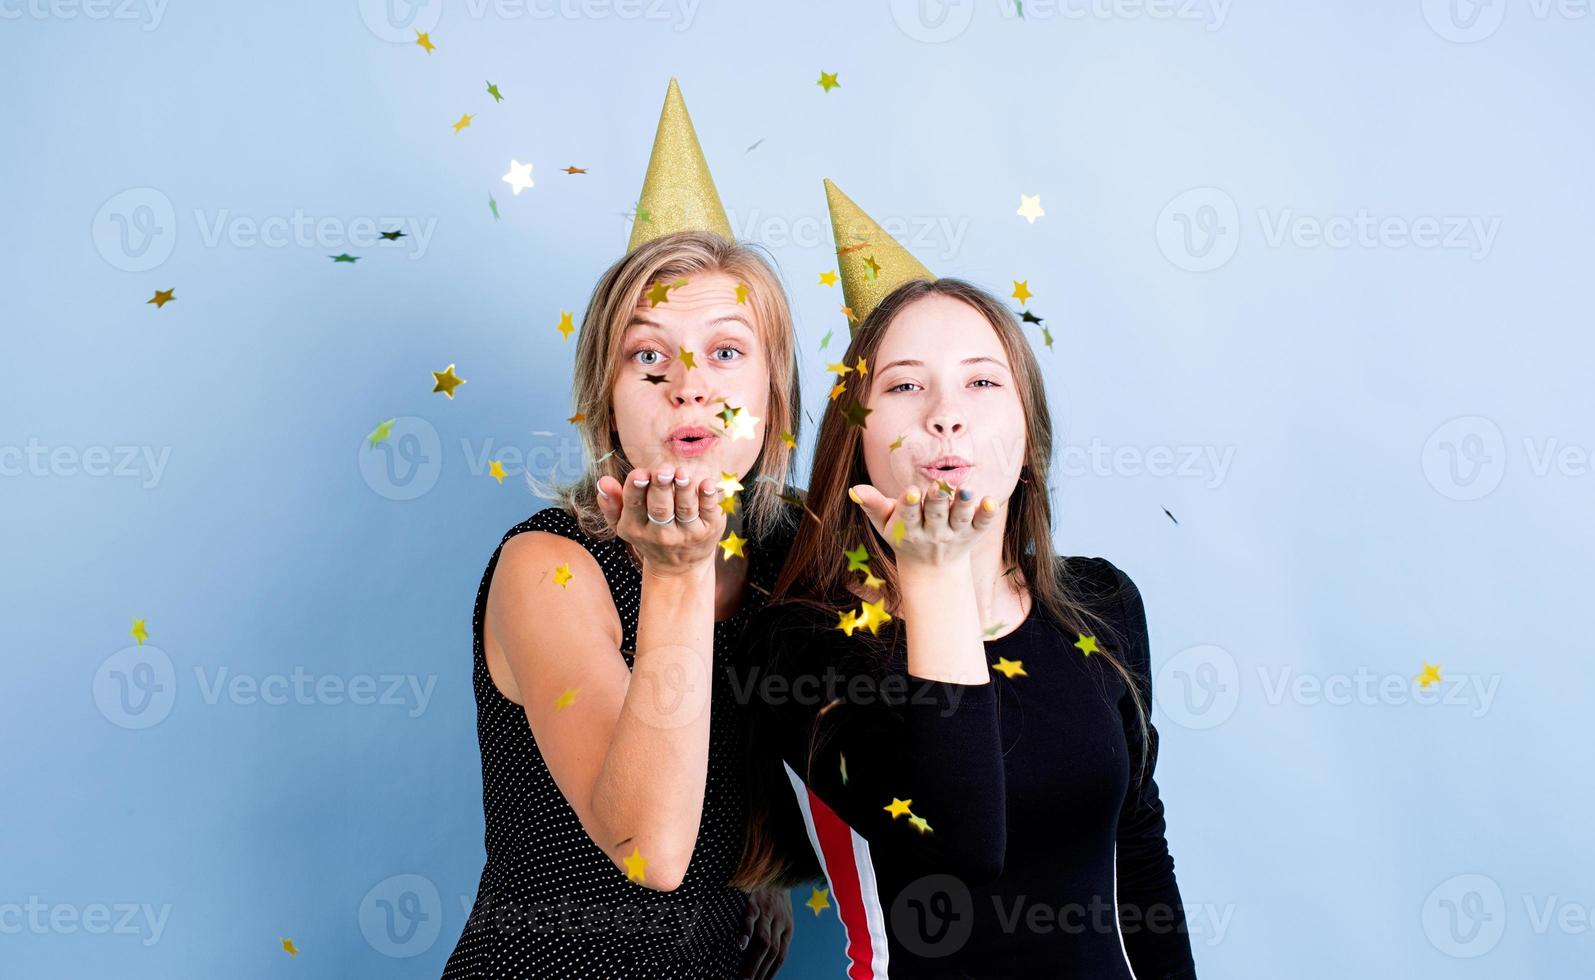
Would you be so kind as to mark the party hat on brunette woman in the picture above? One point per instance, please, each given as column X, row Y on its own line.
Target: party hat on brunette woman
column 678, row 193
column 871, row 262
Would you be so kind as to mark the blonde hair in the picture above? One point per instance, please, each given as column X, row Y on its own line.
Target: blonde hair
column 610, row 310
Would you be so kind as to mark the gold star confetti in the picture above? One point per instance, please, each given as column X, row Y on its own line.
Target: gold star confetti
column 686, row 357
column 658, row 293
column 828, row 80
column 828, row 278
column 898, row 808
column 567, row 324
column 1046, row 337
column 819, row 899
column 843, row 760
column 789, row 439
column 862, row 367
column 1010, row 668
column 495, row 469
column 289, row 947
column 847, row 622
column 161, row 298
column 897, row 443
column 732, row 545
column 873, row 615
column 729, row 483
column 636, row 865
column 562, row 575
column 871, row 269
column 1021, row 290
column 446, row 381
column 1430, row 675
column 847, row 311
column 742, row 293
column 578, row 417
column 838, row 368
column 871, row 582
column 945, row 487
column 381, row 432
column 425, row 41
column 742, row 424
column 855, row 414
column 566, row 699
column 728, row 506
column 898, row 530
column 837, row 389
column 857, row 559
column 920, row 824
column 1030, row 207
column 138, row 632
column 465, row 121
column 1087, row 644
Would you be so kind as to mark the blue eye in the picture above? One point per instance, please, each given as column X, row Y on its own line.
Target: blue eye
column 733, row 350
column 647, row 350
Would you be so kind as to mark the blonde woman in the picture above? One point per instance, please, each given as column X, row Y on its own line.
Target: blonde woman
column 971, row 745
column 610, row 741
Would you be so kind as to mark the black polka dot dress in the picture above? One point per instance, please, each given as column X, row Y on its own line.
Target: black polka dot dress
column 551, row 905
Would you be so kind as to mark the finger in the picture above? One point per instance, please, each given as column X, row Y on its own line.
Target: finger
column 759, row 969
column 662, row 495
column 709, row 509
column 963, row 511
column 985, row 514
column 635, row 499
column 750, row 918
column 876, row 507
column 610, row 493
column 910, row 510
column 937, row 507
column 686, row 499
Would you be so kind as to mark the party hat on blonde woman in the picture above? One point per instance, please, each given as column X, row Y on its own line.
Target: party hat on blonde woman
column 677, row 194
column 871, row 263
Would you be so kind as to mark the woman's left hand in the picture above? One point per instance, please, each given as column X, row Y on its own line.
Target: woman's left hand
column 767, row 928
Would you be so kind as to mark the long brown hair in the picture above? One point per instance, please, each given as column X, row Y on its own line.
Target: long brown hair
column 814, row 576
column 610, row 309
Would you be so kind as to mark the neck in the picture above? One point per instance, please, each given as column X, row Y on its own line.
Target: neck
column 992, row 588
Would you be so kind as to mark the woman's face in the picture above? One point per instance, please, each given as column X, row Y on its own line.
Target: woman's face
column 668, row 414
column 941, row 383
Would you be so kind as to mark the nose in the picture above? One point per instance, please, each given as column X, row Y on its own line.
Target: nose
column 944, row 423
column 689, row 390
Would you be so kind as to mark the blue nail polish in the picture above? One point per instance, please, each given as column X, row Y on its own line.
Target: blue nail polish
column 964, row 494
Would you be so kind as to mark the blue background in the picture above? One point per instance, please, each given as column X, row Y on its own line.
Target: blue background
column 1406, row 427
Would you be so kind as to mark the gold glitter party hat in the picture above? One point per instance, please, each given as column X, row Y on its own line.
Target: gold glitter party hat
column 872, row 264
column 677, row 194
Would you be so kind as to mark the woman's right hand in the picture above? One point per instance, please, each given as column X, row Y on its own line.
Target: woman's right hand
column 666, row 549
column 935, row 529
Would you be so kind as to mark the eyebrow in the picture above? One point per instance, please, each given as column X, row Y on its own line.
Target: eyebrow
column 642, row 321
column 967, row 360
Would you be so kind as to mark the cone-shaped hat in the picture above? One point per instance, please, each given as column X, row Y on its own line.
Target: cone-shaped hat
column 677, row 194
column 871, row 263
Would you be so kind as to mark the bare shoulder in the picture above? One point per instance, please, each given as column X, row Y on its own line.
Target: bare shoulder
column 547, row 596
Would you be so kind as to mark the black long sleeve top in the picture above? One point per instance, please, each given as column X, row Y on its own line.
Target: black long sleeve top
column 1005, row 829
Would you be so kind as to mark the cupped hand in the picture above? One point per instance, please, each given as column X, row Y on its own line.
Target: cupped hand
column 925, row 526
column 685, row 544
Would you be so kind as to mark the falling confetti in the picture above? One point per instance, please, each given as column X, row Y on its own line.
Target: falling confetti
column 819, row 899
column 1021, row 290
column 1430, row 675
column 1087, row 644
column 826, row 339
column 686, row 358
column 838, row 368
column 425, row 41
column 289, row 947
column 567, row 325
column 847, row 622
column 729, row 484
column 896, row 443
column 519, row 178
column 636, row 865
column 755, row 146
column 381, row 432
column 464, row 121
column 161, row 297
column 828, row 81
column 857, row 559
column 138, row 632
column 898, row 808
column 829, row 278
column 495, row 469
column 566, row 699
column 742, row 293
column 344, row 257
column 446, row 381
column 855, row 415
column 1030, row 207
column 732, row 545
column 562, row 575
column 575, row 170
column 840, row 387
column 1009, row 668
column 873, row 615
column 1030, row 317
column 492, row 206
column 492, row 90
column 655, row 379
column 789, row 439
column 920, row 824
column 1171, row 516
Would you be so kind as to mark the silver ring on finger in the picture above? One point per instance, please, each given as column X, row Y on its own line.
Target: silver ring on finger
column 682, row 520
column 652, row 520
